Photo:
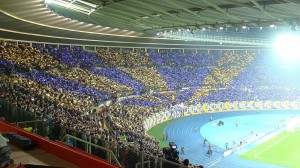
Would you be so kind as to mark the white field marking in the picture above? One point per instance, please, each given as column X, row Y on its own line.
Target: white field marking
column 215, row 162
column 273, row 144
column 290, row 163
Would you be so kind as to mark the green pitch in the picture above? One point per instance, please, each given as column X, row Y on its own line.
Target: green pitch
column 157, row 131
column 282, row 149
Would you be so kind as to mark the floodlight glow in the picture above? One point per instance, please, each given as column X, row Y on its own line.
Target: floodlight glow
column 287, row 46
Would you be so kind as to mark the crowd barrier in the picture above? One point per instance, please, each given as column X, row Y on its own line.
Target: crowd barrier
column 13, row 114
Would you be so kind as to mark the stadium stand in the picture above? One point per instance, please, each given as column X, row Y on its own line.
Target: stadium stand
column 65, row 95
column 71, row 71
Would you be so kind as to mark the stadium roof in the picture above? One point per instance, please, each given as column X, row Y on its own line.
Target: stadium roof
column 134, row 23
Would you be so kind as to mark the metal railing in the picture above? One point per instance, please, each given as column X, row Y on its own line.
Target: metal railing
column 150, row 161
column 39, row 127
column 136, row 159
column 125, row 154
column 88, row 147
column 13, row 114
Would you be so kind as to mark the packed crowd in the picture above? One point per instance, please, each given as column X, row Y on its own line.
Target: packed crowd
column 59, row 83
column 61, row 97
column 240, row 94
column 124, row 58
column 228, row 67
column 136, row 63
column 63, row 84
column 73, row 56
column 26, row 57
column 178, row 78
column 168, row 96
column 145, row 100
column 147, row 75
column 46, row 103
column 189, row 58
column 30, row 96
column 6, row 67
column 121, row 78
column 89, row 79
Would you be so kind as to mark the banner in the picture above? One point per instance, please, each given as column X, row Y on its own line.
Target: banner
column 181, row 110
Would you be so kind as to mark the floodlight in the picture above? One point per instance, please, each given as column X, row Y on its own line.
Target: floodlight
column 287, row 46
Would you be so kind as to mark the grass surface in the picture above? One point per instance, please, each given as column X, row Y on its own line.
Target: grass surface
column 282, row 149
column 157, row 132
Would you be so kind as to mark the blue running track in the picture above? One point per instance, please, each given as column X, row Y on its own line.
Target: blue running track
column 189, row 132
